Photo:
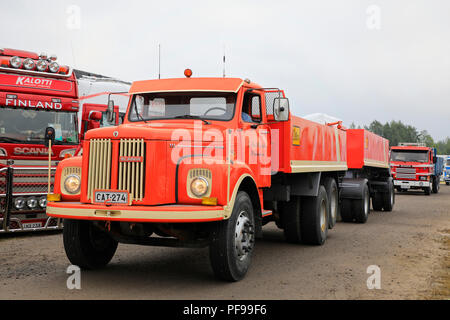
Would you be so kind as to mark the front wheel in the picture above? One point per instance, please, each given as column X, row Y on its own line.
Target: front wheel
column 427, row 191
column 232, row 241
column 86, row 245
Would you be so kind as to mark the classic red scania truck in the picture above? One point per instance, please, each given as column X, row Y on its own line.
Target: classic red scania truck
column 36, row 92
column 208, row 162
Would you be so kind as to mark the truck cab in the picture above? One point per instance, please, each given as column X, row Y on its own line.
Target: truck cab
column 414, row 167
column 447, row 171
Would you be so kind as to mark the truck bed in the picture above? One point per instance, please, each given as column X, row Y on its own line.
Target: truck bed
column 366, row 149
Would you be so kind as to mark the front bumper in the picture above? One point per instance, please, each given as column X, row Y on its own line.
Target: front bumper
column 163, row 213
column 411, row 184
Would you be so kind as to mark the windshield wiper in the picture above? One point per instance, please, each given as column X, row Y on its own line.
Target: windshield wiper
column 188, row 116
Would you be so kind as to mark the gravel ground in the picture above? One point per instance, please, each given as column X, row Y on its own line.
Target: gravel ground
column 410, row 245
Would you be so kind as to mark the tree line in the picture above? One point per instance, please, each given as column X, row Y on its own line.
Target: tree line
column 396, row 131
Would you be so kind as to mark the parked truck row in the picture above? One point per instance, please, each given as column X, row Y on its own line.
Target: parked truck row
column 207, row 162
column 37, row 92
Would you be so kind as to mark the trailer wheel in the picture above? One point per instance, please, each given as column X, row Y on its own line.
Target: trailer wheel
column 333, row 201
column 314, row 218
column 232, row 241
column 361, row 207
column 377, row 201
column 346, row 210
column 86, row 245
column 290, row 217
column 389, row 197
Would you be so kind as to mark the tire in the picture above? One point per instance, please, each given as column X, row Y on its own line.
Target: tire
column 377, row 201
column 447, row 183
column 314, row 218
column 361, row 207
column 427, row 191
column 389, row 197
column 435, row 185
column 232, row 241
column 333, row 201
column 290, row 217
column 346, row 210
column 87, row 246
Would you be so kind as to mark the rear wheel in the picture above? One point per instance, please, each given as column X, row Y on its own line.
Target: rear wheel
column 377, row 201
column 346, row 210
column 86, row 245
column 435, row 185
column 314, row 218
column 232, row 242
column 290, row 217
column 361, row 207
column 447, row 183
column 389, row 197
column 333, row 201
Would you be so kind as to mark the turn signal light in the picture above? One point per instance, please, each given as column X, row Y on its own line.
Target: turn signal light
column 208, row 201
column 55, row 197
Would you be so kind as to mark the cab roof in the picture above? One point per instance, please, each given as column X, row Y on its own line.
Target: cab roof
column 187, row 84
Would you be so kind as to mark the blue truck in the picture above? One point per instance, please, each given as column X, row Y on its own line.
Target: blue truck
column 447, row 171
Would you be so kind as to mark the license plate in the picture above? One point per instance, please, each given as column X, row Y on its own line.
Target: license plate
column 111, row 197
column 405, row 187
column 32, row 225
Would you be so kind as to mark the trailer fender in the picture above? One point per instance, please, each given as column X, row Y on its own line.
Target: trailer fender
column 352, row 188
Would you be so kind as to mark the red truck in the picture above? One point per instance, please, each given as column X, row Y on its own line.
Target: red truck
column 37, row 92
column 416, row 167
column 207, row 162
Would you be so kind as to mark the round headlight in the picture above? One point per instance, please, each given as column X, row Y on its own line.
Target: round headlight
column 19, row 203
column 28, row 64
column 15, row 62
column 199, row 186
column 32, row 202
column 43, row 202
column 54, row 67
column 72, row 184
column 42, row 65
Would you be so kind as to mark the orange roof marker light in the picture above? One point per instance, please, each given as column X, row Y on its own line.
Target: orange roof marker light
column 188, row 73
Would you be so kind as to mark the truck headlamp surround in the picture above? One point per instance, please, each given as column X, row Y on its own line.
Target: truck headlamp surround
column 199, row 186
column 19, row 203
column 43, row 202
column 53, row 67
column 72, row 183
column 42, row 65
column 32, row 202
column 15, row 62
column 28, row 64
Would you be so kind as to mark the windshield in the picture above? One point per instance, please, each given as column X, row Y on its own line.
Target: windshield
column 409, row 155
column 189, row 105
column 28, row 126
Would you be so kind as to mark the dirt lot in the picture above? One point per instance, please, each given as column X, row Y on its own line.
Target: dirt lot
column 411, row 246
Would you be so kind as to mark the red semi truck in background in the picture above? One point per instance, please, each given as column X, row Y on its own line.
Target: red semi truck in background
column 208, row 162
column 416, row 166
column 37, row 92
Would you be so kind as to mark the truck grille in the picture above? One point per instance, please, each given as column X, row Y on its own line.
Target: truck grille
column 28, row 181
column 99, row 165
column 130, row 169
column 406, row 176
column 406, row 170
column 131, row 173
column 406, row 173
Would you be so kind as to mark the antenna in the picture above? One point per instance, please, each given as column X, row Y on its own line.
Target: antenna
column 224, row 61
column 159, row 61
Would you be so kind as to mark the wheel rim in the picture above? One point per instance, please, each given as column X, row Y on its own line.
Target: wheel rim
column 366, row 203
column 323, row 214
column 392, row 197
column 333, row 212
column 243, row 236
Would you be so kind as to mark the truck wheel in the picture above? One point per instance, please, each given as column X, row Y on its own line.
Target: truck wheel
column 427, row 191
column 389, row 198
column 377, row 201
column 290, row 212
column 333, row 201
column 447, row 183
column 346, row 210
column 361, row 207
column 314, row 218
column 232, row 241
column 435, row 185
column 86, row 245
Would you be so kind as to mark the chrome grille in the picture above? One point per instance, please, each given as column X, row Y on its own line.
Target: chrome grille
column 131, row 173
column 406, row 170
column 99, row 165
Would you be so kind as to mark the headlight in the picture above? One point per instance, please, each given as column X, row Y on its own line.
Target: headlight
column 423, row 178
column 28, row 64
column 15, row 62
column 43, row 202
column 32, row 202
column 199, row 186
column 19, row 203
column 72, row 184
column 67, row 151
column 54, row 67
column 41, row 65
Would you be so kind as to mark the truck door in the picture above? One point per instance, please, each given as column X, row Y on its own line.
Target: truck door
column 257, row 137
column 88, row 108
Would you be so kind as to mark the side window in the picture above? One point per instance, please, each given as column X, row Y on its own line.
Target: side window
column 251, row 108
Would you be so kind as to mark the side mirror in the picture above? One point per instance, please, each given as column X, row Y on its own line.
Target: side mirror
column 281, row 109
column 110, row 111
column 95, row 116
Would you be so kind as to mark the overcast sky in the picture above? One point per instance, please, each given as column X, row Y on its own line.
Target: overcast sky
column 357, row 60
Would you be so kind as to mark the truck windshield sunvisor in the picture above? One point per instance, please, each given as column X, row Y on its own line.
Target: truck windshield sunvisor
column 183, row 105
column 28, row 126
column 409, row 156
